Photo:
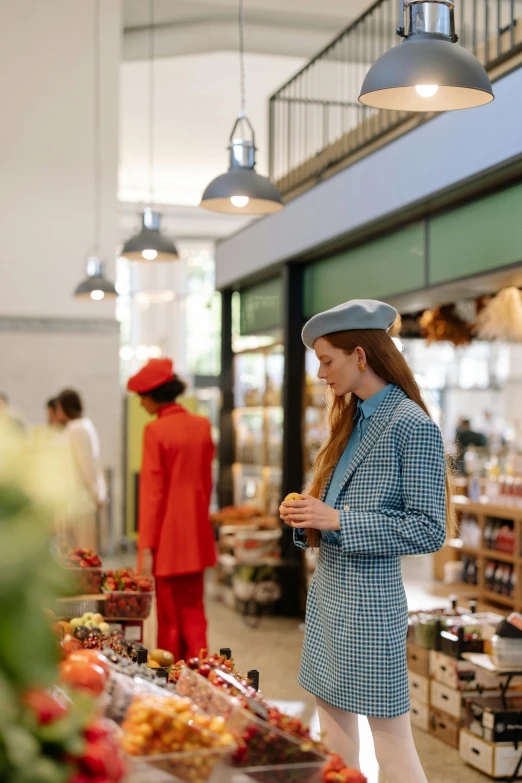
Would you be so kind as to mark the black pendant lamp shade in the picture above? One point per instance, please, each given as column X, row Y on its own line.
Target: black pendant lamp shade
column 150, row 244
column 95, row 286
column 429, row 71
column 242, row 191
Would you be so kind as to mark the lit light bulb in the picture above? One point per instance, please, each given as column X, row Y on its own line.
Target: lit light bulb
column 149, row 255
column 427, row 90
column 97, row 295
column 126, row 353
column 142, row 352
column 154, row 351
column 239, row 201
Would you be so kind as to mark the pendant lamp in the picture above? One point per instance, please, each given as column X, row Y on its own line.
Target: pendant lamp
column 242, row 191
column 429, row 71
column 150, row 244
column 96, row 286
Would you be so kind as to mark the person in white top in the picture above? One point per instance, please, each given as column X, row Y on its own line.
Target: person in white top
column 88, row 488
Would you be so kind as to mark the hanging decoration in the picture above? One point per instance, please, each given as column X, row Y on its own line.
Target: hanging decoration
column 242, row 191
column 443, row 324
column 501, row 318
column 429, row 71
column 96, row 286
column 395, row 328
column 149, row 244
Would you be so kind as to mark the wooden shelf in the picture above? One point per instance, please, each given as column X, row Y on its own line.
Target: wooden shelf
column 482, row 510
column 502, row 557
column 505, row 600
column 456, row 543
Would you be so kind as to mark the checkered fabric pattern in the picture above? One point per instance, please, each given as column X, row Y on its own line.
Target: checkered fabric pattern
column 391, row 503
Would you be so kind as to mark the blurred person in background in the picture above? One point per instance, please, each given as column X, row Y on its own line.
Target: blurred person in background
column 464, row 438
column 8, row 412
column 176, row 539
column 87, row 484
column 53, row 419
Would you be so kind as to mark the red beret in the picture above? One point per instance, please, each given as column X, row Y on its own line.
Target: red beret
column 155, row 373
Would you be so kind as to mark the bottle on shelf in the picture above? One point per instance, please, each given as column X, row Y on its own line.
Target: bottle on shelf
column 488, row 530
column 499, row 578
column 489, row 574
column 506, row 580
column 494, row 534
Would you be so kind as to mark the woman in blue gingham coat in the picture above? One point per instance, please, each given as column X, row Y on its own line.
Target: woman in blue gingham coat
column 378, row 492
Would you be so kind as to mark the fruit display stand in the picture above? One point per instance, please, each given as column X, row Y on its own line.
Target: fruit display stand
column 249, row 556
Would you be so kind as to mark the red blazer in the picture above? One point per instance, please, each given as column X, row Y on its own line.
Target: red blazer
column 175, row 489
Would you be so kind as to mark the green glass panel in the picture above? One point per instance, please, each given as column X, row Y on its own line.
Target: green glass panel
column 390, row 265
column 261, row 307
column 483, row 235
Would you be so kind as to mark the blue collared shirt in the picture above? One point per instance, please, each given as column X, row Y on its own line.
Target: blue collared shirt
column 365, row 411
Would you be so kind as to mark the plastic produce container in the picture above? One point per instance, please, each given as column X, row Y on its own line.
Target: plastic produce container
column 170, row 734
column 506, row 653
column 127, row 605
column 264, row 753
column 84, row 581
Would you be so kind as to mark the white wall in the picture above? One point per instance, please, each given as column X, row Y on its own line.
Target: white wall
column 48, row 339
column 46, row 152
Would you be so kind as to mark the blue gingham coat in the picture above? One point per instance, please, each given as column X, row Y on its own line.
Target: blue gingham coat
column 391, row 503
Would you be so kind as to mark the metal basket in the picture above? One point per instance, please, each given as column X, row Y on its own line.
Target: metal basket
column 66, row 608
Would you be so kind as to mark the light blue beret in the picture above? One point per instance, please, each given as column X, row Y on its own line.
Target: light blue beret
column 355, row 314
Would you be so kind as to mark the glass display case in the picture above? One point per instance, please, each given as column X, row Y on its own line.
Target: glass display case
column 315, row 414
column 258, row 427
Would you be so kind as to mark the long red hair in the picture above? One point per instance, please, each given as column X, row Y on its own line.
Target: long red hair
column 388, row 363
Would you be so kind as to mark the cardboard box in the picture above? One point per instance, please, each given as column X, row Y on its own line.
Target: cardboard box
column 418, row 659
column 460, row 675
column 420, row 715
column 419, row 687
column 496, row 760
column 486, row 718
column 445, row 727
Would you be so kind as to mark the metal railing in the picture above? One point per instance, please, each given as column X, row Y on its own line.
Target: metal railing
column 317, row 124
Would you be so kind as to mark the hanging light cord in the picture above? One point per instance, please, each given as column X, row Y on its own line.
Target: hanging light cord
column 242, row 56
column 151, row 102
column 97, row 130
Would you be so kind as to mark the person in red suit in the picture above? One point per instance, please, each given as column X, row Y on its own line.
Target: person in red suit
column 176, row 540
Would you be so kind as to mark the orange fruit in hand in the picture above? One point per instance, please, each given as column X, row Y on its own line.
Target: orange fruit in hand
column 293, row 496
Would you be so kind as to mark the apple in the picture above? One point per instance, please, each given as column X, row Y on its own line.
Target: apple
column 104, row 628
column 76, row 622
column 98, row 618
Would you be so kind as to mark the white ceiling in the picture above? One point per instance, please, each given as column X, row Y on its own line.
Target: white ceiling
column 286, row 27
column 197, row 92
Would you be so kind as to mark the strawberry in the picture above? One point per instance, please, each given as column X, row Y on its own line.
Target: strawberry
column 97, row 730
column 101, row 760
column 46, row 706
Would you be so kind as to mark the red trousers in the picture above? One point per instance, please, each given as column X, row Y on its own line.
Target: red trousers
column 182, row 626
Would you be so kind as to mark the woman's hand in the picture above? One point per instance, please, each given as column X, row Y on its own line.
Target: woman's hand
column 309, row 512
